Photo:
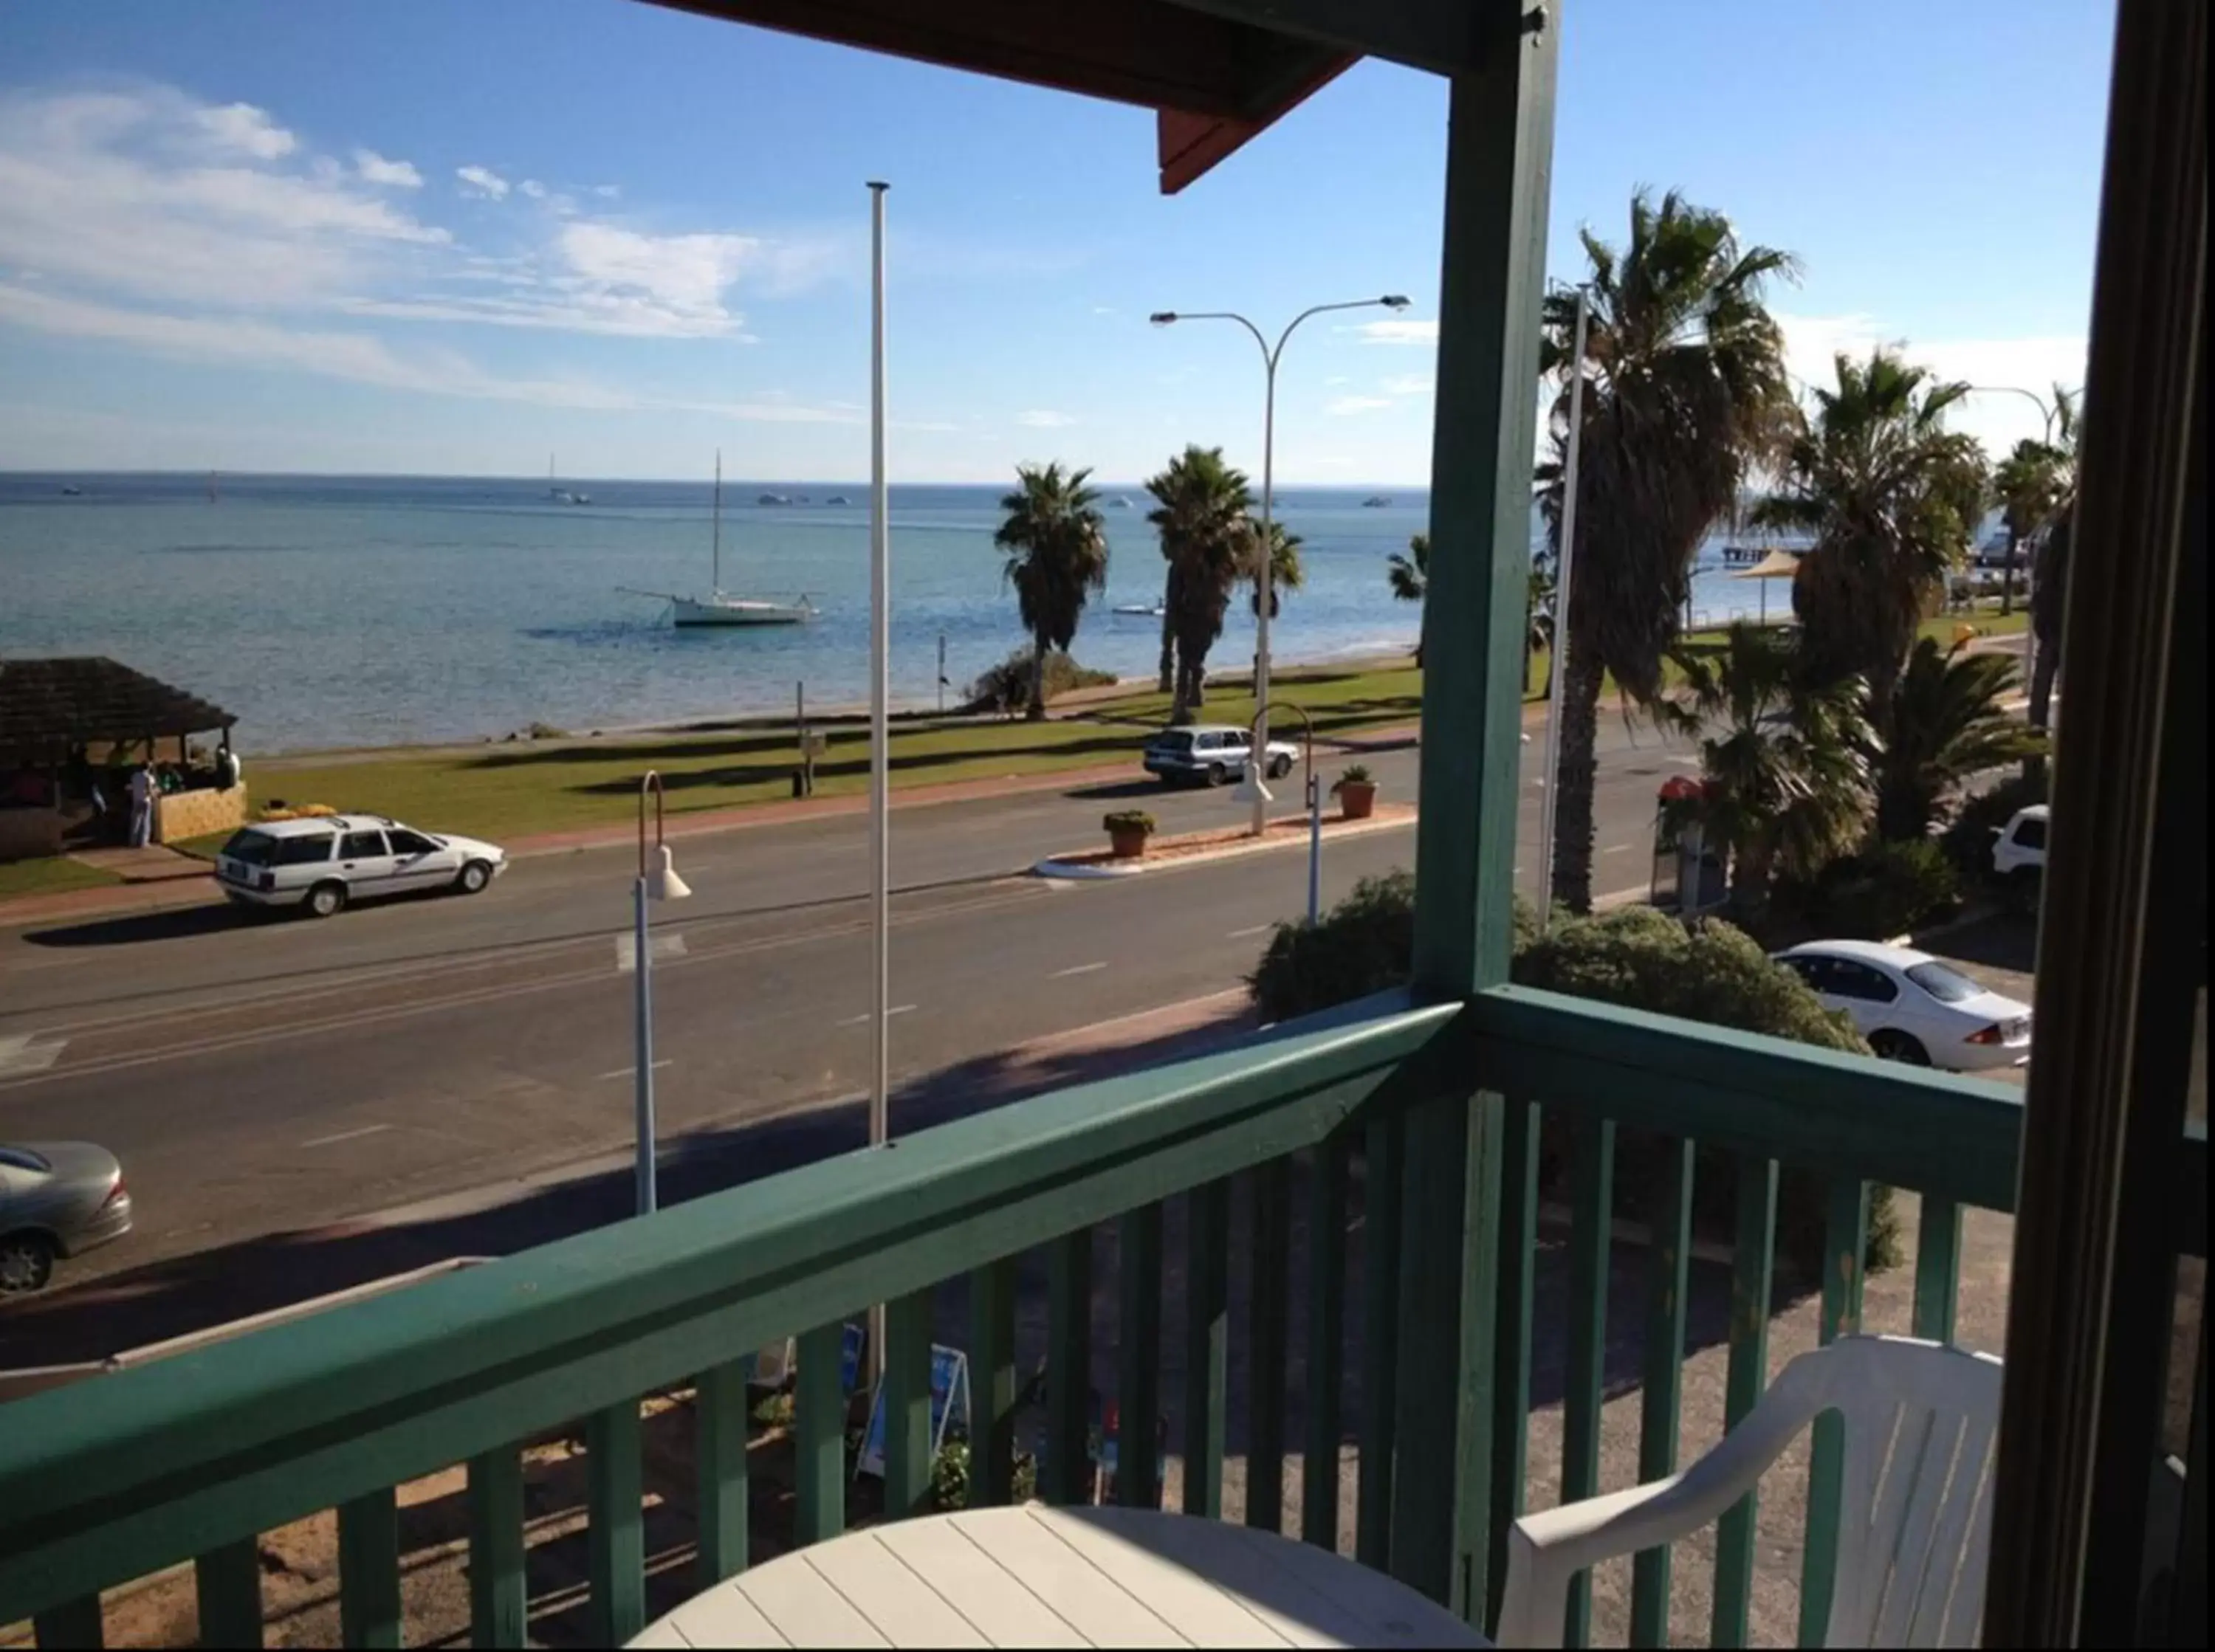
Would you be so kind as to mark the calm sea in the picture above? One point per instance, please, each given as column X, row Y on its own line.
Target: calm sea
column 327, row 611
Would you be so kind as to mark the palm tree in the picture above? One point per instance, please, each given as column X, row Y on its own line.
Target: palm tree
column 1410, row 577
column 1784, row 758
column 1285, row 571
column 1538, row 602
column 2033, row 483
column 1890, row 496
column 2050, row 576
column 1948, row 725
column 1200, row 514
column 1685, row 395
column 1056, row 546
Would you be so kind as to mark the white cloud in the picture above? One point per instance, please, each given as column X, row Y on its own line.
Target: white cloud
column 1345, row 406
column 374, row 168
column 247, row 130
column 1336, row 378
column 481, row 182
column 1105, row 310
column 608, row 191
column 1408, row 384
column 1044, row 418
column 1996, row 417
column 1395, row 331
column 533, row 188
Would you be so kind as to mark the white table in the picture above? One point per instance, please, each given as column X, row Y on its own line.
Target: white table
column 1040, row 1576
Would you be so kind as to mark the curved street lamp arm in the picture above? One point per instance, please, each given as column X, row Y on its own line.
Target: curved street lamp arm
column 1315, row 309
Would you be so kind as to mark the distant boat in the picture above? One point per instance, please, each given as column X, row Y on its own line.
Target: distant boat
column 1377, row 502
column 838, row 499
column 1149, row 610
column 561, row 495
column 1118, row 503
column 71, row 492
column 774, row 498
column 719, row 607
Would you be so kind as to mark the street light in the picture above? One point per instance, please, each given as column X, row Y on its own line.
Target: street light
column 1270, row 357
column 656, row 881
column 1251, row 790
column 2032, row 396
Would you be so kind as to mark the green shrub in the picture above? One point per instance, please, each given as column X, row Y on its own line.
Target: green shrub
column 1352, row 774
column 1127, row 820
column 949, row 1477
column 1968, row 842
column 1887, row 889
column 1636, row 956
column 1006, row 687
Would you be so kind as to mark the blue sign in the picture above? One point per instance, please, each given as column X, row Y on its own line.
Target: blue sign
column 949, row 1395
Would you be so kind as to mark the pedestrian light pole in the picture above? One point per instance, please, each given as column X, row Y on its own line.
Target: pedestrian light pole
column 656, row 881
column 880, row 734
column 1251, row 790
column 1559, row 674
column 1271, row 355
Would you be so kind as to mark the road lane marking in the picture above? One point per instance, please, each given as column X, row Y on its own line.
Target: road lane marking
column 1250, row 932
column 1078, row 969
column 862, row 1019
column 1616, row 848
column 661, row 946
column 347, row 1136
column 28, row 1052
column 628, row 1072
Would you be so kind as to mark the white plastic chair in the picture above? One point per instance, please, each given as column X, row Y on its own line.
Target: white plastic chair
column 1917, row 1523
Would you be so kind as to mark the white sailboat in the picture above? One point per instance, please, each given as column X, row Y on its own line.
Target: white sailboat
column 719, row 607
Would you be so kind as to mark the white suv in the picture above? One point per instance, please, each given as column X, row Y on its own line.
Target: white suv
column 324, row 861
column 2019, row 847
column 1211, row 753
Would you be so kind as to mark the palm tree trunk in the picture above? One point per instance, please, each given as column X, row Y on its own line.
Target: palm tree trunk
column 1573, row 806
column 2007, row 575
column 1168, row 630
column 2042, row 673
column 1036, row 711
column 1751, row 864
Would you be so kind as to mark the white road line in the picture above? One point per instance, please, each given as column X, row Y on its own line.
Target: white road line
column 24, row 1053
column 626, row 1072
column 347, row 1136
column 668, row 945
column 1250, row 932
column 1616, row 848
column 862, row 1019
column 1078, row 969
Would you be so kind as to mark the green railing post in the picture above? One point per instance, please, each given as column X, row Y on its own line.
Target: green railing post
column 227, row 1582
column 1937, row 1268
column 1669, row 1260
column 721, row 1406
column 77, row 1625
column 1592, row 1230
column 1138, row 1369
column 369, row 1570
column 992, row 1383
column 1269, row 1266
column 616, row 1539
column 1845, row 1250
column 1065, row 1473
column 1499, row 156
column 819, row 1446
column 907, row 1404
column 1510, row 1381
column 1326, row 1343
column 1206, row 1344
column 1380, row 1336
column 499, row 1597
column 1753, row 1269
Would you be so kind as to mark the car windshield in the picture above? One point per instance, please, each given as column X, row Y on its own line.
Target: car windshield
column 1174, row 740
column 23, row 1159
column 1948, row 985
column 255, row 848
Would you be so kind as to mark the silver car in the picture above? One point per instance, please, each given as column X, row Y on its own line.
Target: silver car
column 321, row 863
column 57, row 1199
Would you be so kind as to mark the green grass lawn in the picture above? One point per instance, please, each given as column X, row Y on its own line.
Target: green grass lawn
column 50, row 876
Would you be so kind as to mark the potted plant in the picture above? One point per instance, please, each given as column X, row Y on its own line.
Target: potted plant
column 1127, row 832
column 1356, row 791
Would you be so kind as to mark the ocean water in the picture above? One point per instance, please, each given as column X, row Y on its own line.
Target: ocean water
column 327, row 611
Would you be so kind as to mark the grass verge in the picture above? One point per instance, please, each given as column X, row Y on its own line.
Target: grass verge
column 50, row 876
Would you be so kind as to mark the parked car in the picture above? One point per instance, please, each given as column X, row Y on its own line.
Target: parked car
column 323, row 862
column 1211, row 753
column 1913, row 1007
column 57, row 1199
column 2019, row 847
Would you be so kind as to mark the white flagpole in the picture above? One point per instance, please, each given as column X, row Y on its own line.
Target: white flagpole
column 879, row 731
column 1561, row 616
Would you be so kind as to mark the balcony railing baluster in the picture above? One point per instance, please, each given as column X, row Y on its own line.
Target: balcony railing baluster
column 1592, row 1230
column 818, row 1415
column 1937, row 1268
column 721, row 1423
column 615, row 1537
column 1269, row 1262
column 499, row 1600
column 1845, row 1248
column 369, row 1570
column 1753, row 1274
column 1380, row 1335
column 1668, row 1278
column 1138, row 1372
column 992, row 1383
column 1326, row 1338
column 907, row 1405
column 1066, row 1466
column 1206, row 1344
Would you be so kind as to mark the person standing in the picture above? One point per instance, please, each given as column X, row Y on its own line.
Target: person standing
column 227, row 767
column 142, row 806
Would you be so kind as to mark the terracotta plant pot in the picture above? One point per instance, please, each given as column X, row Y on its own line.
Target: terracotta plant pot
column 1128, row 842
column 1357, row 799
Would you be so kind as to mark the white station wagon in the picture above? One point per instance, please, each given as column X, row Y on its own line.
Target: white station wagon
column 323, row 862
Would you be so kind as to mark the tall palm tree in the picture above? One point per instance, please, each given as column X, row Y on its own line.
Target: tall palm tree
column 1200, row 513
column 1948, row 724
column 1686, row 395
column 1784, row 758
column 1056, row 545
column 1890, row 497
column 1410, row 577
column 2049, row 583
column 1285, row 571
column 1539, row 602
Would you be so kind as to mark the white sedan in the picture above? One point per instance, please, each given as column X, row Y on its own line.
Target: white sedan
column 1913, row 1007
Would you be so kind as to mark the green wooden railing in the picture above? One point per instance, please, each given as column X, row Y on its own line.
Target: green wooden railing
column 191, row 1459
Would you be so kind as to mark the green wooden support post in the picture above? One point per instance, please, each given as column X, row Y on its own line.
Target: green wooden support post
column 992, row 1384
column 499, row 1597
column 1845, row 1250
column 1668, row 1277
column 227, row 1582
column 1592, row 1218
column 1499, row 160
column 1065, row 1473
column 1510, row 1381
column 1380, row 1336
column 1937, row 1268
column 722, row 1415
column 76, row 1624
column 1326, row 1341
column 1206, row 1344
column 615, row 1537
column 820, row 1449
column 1139, row 1370
column 369, row 1570
column 1270, row 1239
column 1753, row 1274
column 908, row 1444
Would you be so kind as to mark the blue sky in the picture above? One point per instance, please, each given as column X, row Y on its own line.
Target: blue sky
column 409, row 235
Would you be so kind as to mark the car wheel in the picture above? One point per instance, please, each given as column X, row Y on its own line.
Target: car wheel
column 26, row 1262
column 326, row 900
column 475, row 876
column 1216, row 773
column 1894, row 1046
column 1279, row 767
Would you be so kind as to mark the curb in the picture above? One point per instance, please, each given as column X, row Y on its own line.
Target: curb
column 1053, row 867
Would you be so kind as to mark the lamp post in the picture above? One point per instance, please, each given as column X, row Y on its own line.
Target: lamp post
column 1270, row 357
column 1250, row 789
column 1558, row 673
column 2032, row 396
column 656, row 881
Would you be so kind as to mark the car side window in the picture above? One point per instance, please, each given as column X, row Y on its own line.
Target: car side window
column 2030, row 834
column 404, row 841
column 1809, row 969
column 1859, row 981
column 310, row 851
column 361, row 846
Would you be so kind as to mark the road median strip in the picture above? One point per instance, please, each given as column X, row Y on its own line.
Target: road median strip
column 1198, row 848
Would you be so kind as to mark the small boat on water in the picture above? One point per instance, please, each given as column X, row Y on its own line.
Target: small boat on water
column 559, row 494
column 1147, row 610
column 72, row 492
column 1118, row 503
column 1377, row 502
column 719, row 607
column 838, row 499
column 774, row 498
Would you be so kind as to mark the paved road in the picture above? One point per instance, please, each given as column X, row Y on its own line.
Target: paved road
column 256, row 1076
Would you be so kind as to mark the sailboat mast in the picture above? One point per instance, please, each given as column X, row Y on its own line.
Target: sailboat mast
column 718, row 530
